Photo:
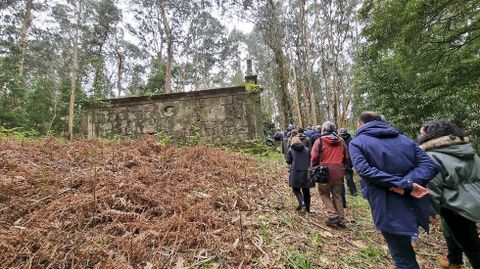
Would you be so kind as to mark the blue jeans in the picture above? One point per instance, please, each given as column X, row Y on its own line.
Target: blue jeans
column 401, row 250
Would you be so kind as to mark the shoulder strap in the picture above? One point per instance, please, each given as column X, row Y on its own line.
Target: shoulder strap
column 320, row 145
column 344, row 145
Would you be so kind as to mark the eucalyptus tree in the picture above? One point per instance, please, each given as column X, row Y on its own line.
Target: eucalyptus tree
column 206, row 50
column 334, row 39
column 78, row 13
column 420, row 62
column 18, row 30
column 159, row 26
column 102, row 22
column 261, row 53
column 272, row 26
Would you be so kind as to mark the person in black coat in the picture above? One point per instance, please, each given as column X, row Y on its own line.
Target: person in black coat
column 298, row 157
column 348, row 166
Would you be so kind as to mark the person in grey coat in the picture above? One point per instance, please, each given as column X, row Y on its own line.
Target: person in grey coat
column 298, row 157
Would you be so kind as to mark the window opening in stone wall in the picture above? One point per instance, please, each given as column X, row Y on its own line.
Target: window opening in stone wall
column 169, row 111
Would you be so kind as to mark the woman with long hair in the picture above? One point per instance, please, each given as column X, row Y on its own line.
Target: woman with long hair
column 455, row 190
column 298, row 157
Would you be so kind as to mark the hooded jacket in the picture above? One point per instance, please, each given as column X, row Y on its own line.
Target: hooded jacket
column 385, row 158
column 330, row 150
column 309, row 133
column 305, row 140
column 457, row 186
column 298, row 157
column 347, row 138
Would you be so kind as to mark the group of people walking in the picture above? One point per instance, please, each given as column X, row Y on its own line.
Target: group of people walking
column 324, row 147
column 406, row 182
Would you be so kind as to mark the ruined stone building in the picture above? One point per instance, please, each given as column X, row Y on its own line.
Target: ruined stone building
column 224, row 114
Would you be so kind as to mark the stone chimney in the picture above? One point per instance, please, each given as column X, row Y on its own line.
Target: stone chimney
column 250, row 77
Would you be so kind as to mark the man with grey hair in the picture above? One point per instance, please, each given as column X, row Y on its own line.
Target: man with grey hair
column 329, row 150
column 317, row 134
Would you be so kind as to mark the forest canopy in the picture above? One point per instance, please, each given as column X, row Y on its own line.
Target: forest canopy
column 421, row 61
column 411, row 60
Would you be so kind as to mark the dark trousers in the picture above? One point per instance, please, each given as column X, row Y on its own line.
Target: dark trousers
column 303, row 197
column 344, row 198
column 351, row 186
column 455, row 253
column 350, row 182
column 465, row 236
column 401, row 250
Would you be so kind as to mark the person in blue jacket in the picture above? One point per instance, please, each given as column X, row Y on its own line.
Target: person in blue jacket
column 394, row 171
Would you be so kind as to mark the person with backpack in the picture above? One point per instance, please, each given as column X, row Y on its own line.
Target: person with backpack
column 298, row 157
column 455, row 190
column 329, row 150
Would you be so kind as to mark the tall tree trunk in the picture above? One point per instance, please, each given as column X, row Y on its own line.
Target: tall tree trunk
column 26, row 23
column 335, row 89
column 303, row 57
column 325, row 78
column 297, row 99
column 119, row 72
column 73, row 87
column 169, row 34
column 282, row 78
column 310, row 92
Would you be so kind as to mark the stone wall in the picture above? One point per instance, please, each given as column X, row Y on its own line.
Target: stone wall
column 218, row 115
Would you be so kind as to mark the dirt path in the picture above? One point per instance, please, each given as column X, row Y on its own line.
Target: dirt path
column 296, row 240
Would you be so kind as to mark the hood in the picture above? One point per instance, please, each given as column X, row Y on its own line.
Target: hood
column 298, row 146
column 332, row 139
column 378, row 129
column 345, row 136
column 450, row 145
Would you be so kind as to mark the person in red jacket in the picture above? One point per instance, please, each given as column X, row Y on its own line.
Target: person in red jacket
column 330, row 151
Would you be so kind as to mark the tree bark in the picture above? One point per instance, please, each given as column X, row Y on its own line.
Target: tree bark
column 26, row 23
column 297, row 99
column 169, row 34
column 282, row 78
column 310, row 92
column 274, row 37
column 119, row 72
column 303, row 57
column 71, row 106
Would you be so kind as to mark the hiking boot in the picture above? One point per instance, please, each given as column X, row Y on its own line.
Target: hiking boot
column 307, row 206
column 299, row 207
column 332, row 221
column 341, row 224
column 445, row 264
